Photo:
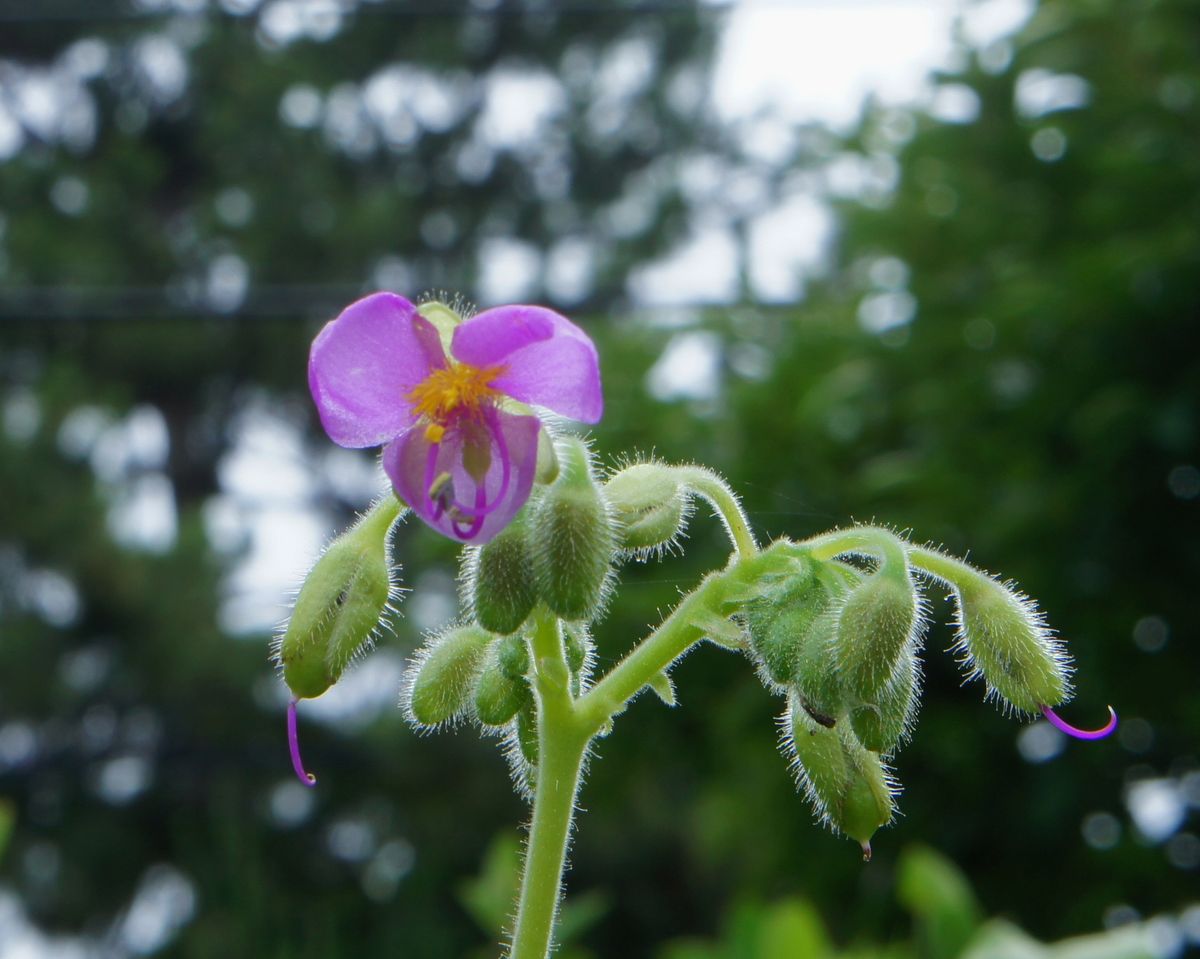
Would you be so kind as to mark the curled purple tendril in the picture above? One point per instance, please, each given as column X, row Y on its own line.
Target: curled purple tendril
column 1058, row 723
column 468, row 520
column 294, row 747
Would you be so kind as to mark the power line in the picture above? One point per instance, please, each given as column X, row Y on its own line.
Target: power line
column 18, row 11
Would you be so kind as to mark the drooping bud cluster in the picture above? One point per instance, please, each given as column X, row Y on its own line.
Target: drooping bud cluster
column 843, row 641
column 843, row 645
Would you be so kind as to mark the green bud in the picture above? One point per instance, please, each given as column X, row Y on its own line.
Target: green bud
column 845, row 781
column 650, row 507
column 874, row 626
column 1007, row 642
column 577, row 645
column 884, row 722
column 446, row 673
column 503, row 590
column 526, row 736
column 546, row 471
column 502, row 688
column 572, row 539
column 342, row 602
column 814, row 678
column 792, row 630
column 782, row 618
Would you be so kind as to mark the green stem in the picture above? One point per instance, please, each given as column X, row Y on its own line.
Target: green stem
column 656, row 652
column 871, row 540
column 946, row 569
column 382, row 515
column 562, row 744
column 706, row 483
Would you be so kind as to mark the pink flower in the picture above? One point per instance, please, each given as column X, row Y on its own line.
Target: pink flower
column 454, row 449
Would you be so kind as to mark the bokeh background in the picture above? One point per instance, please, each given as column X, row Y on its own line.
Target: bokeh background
column 932, row 264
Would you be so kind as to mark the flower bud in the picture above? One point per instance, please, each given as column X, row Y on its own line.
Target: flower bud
column 1007, row 642
column 882, row 723
column 845, row 782
column 445, row 674
column 780, row 621
column 503, row 590
column 875, row 624
column 502, row 688
column 650, row 507
column 792, row 630
column 526, row 736
column 343, row 600
column 572, row 540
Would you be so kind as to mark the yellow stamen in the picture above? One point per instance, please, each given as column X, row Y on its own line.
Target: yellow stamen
column 453, row 391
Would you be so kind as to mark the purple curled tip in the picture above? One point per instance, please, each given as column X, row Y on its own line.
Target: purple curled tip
column 294, row 747
column 1105, row 730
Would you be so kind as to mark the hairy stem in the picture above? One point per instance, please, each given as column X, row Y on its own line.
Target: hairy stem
column 868, row 540
column 562, row 744
column 706, row 483
column 657, row 651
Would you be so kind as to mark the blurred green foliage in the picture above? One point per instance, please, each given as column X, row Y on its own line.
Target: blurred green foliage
column 999, row 357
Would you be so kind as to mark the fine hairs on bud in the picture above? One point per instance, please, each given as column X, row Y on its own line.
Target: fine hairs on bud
column 572, row 538
column 502, row 688
column 1003, row 637
column 650, row 508
column 440, row 683
column 498, row 580
column 848, row 786
column 344, row 601
column 886, row 722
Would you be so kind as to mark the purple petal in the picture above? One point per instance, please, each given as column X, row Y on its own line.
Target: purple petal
column 548, row 360
column 1058, row 723
column 364, row 364
column 294, row 748
column 432, row 480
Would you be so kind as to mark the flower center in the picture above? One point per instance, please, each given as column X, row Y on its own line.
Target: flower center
column 456, row 390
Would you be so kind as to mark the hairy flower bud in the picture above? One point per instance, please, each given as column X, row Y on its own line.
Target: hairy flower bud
column 650, row 507
column 445, row 674
column 1006, row 641
column 845, row 781
column 343, row 600
column 572, row 538
column 500, row 577
column 502, row 688
column 883, row 722
column 792, row 628
column 875, row 624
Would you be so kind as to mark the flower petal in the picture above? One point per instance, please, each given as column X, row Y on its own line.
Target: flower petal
column 433, row 480
column 548, row 360
column 364, row 364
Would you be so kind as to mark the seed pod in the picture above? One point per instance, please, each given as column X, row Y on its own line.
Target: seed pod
column 503, row 589
column 446, row 674
column 1007, row 642
column 875, row 624
column 650, row 507
column 572, row 539
column 880, row 725
column 845, row 782
column 343, row 599
column 502, row 688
